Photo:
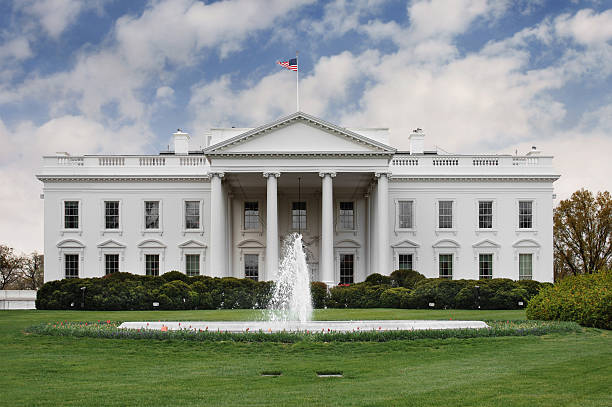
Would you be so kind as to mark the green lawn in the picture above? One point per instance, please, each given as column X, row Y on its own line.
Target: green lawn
column 559, row 369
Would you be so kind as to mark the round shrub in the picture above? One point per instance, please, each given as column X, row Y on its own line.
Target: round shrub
column 394, row 297
column 175, row 275
column 378, row 279
column 585, row 299
column 406, row 278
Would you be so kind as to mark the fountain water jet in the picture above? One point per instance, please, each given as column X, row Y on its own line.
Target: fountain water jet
column 291, row 301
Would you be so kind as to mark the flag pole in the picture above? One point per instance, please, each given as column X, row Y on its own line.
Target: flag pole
column 297, row 82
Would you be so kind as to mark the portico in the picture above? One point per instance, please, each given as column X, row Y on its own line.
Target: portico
column 311, row 180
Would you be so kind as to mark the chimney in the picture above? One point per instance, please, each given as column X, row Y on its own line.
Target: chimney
column 534, row 151
column 417, row 142
column 181, row 142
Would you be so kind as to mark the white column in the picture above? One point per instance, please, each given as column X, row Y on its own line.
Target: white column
column 218, row 256
column 382, row 222
column 271, row 225
column 326, row 257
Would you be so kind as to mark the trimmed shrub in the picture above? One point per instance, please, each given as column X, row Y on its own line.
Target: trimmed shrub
column 319, row 294
column 406, row 278
column 585, row 299
column 377, row 279
column 395, row 297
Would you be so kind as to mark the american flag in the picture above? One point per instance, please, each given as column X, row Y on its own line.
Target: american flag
column 291, row 64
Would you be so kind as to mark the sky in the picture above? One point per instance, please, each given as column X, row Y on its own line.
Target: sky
column 478, row 76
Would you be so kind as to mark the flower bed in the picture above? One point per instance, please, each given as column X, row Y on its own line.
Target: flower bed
column 110, row 330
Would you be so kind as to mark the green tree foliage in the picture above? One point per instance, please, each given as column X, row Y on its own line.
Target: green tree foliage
column 583, row 234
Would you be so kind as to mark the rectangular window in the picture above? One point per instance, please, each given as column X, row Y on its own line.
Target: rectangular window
column 445, row 266
column 347, row 215
column 71, row 265
column 485, row 266
column 347, row 270
column 445, row 214
column 251, row 215
column 405, row 262
column 151, row 214
column 405, row 214
column 192, row 214
column 298, row 215
column 71, row 214
column 525, row 266
column 525, row 215
column 152, row 264
column 192, row 264
column 485, row 215
column 111, row 263
column 251, row 266
column 111, row 214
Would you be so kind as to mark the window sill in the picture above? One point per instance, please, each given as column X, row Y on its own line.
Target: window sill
column 111, row 232
column 446, row 231
column 152, row 232
column 193, row 231
column 492, row 231
column 532, row 231
column 71, row 231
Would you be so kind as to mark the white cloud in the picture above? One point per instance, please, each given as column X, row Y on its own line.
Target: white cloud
column 586, row 26
column 15, row 49
column 54, row 16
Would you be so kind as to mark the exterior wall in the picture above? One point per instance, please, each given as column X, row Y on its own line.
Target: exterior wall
column 505, row 232
column 132, row 233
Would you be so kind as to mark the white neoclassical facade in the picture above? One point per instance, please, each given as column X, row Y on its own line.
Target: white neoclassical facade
column 362, row 207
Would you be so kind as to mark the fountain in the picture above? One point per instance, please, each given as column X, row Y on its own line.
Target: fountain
column 291, row 299
column 290, row 307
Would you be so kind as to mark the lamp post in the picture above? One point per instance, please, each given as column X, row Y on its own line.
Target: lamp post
column 477, row 287
column 83, row 297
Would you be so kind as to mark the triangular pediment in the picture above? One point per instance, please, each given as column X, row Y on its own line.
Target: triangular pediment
column 405, row 244
column 111, row 244
column 151, row 244
column 486, row 244
column 526, row 243
column 347, row 244
column 299, row 133
column 192, row 244
column 446, row 244
column 250, row 244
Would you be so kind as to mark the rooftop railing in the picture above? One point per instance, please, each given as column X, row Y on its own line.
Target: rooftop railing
column 125, row 161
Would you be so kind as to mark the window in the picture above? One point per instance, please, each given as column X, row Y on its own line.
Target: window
column 347, row 215
column 485, row 214
column 192, row 214
column 71, row 265
column 192, row 264
column 111, row 263
column 347, row 270
column 251, row 266
column 152, row 264
column 251, row 215
column 71, row 214
column 525, row 214
column 404, row 214
column 405, row 262
column 525, row 266
column 151, row 214
column 445, row 266
column 445, row 214
column 111, row 214
column 485, row 266
column 298, row 215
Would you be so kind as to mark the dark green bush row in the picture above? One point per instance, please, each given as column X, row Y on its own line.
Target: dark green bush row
column 172, row 291
column 409, row 289
column 176, row 291
column 109, row 330
column 585, row 299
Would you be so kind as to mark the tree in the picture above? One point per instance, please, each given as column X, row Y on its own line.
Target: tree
column 32, row 273
column 583, row 234
column 10, row 267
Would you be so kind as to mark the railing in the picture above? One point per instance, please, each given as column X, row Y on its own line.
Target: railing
column 405, row 161
column 467, row 161
column 71, row 161
column 485, row 162
column 111, row 161
column 125, row 161
column 447, row 162
column 192, row 161
column 152, row 161
column 525, row 161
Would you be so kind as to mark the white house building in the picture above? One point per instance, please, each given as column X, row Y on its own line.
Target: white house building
column 362, row 206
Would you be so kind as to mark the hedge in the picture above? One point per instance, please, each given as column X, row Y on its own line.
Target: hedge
column 176, row 291
column 585, row 299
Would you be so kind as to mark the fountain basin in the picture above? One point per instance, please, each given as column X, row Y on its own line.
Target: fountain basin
column 308, row 326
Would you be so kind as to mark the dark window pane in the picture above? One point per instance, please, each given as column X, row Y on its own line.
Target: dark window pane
column 445, row 266
column 192, row 214
column 298, row 215
column 71, row 265
column 445, row 214
column 405, row 262
column 485, row 266
column 405, row 214
column 347, row 216
column 251, row 266
column 525, row 215
column 152, row 264
column 111, row 214
column 152, row 215
column 111, row 263
column 347, row 270
column 251, row 215
column 485, row 214
column 192, row 264
column 71, row 214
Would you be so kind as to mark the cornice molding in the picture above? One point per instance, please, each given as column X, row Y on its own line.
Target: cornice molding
column 476, row 178
column 287, row 154
column 93, row 178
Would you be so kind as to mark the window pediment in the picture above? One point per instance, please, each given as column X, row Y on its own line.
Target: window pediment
column 70, row 244
column 111, row 244
column 446, row 244
column 526, row 243
column 151, row 244
column 486, row 244
column 348, row 244
column 192, row 244
column 405, row 244
column 250, row 244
